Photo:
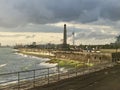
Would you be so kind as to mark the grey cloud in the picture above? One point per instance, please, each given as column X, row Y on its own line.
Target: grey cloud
column 20, row 13
column 32, row 36
column 99, row 36
column 111, row 10
column 69, row 10
column 95, row 35
column 35, row 28
column 17, row 35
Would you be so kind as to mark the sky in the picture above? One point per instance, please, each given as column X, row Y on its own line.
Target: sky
column 42, row 21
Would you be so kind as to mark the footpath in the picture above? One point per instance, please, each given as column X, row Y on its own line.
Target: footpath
column 106, row 79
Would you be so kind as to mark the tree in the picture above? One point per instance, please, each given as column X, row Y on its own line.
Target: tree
column 118, row 39
column 117, row 42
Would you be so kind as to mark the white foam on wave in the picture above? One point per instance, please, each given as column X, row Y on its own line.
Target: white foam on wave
column 23, row 55
column 34, row 57
column 2, row 65
column 63, row 69
column 15, row 50
column 13, row 82
column 48, row 64
column 20, row 54
column 43, row 60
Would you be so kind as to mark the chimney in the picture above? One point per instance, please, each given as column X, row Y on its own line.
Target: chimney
column 65, row 35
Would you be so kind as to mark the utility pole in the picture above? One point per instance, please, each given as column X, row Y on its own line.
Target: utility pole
column 73, row 34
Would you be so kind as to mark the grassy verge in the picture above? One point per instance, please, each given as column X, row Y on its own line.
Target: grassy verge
column 69, row 63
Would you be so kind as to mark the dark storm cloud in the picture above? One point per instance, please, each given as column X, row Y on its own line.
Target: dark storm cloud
column 22, row 12
column 111, row 10
column 45, row 11
column 69, row 10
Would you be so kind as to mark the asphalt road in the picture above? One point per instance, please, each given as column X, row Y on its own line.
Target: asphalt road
column 107, row 79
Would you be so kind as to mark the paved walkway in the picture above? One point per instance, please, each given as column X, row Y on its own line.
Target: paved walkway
column 108, row 79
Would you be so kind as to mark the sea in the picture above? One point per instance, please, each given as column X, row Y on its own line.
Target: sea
column 11, row 61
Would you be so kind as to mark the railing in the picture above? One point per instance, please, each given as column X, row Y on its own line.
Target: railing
column 31, row 78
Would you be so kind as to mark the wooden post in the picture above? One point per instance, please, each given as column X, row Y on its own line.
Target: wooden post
column 48, row 76
column 68, row 73
column 76, row 69
column 18, row 80
column 34, row 78
column 58, row 72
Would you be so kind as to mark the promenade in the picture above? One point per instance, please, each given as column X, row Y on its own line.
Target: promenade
column 106, row 79
column 49, row 76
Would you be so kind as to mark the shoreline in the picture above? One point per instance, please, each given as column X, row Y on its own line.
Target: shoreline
column 66, row 63
column 36, row 54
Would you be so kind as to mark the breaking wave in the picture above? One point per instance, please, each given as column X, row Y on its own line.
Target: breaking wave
column 48, row 64
column 2, row 65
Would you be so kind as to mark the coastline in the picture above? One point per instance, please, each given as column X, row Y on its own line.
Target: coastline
column 34, row 54
column 66, row 63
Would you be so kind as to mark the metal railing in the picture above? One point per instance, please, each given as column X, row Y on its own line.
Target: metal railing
column 31, row 78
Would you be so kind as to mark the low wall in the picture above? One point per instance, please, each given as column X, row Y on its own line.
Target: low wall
column 71, row 55
column 83, row 56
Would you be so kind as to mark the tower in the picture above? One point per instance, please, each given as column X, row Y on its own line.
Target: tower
column 65, row 45
column 65, row 36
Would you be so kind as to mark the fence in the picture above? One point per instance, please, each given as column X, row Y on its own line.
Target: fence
column 28, row 79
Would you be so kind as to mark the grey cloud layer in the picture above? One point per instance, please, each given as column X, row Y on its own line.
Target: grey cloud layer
column 21, row 12
column 16, row 35
column 33, row 15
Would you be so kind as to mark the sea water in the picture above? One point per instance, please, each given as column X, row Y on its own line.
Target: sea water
column 10, row 61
